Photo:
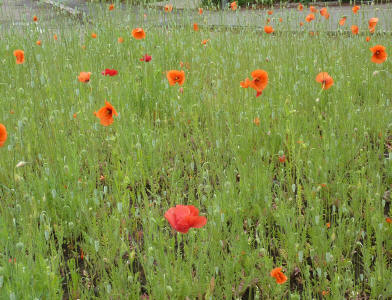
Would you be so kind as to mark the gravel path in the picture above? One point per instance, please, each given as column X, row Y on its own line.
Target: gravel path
column 16, row 12
column 22, row 11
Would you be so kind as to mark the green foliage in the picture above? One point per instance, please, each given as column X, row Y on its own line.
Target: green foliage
column 83, row 219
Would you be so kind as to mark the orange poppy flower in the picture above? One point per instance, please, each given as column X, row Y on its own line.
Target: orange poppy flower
column 94, row 35
column 259, row 82
column 111, row 6
column 388, row 220
column 168, row 8
column 270, row 12
column 323, row 11
column 356, row 8
column 300, row 7
column 245, row 84
column 379, row 54
column 38, row 43
column 195, row 27
column 19, row 54
column 278, row 275
column 200, row 11
column 256, row 121
column 310, row 18
column 174, row 76
column 84, row 76
column 280, row 20
column 354, row 29
column 372, row 24
column 35, row 18
column 328, row 225
column 312, row 9
column 268, row 29
column 325, row 80
column 138, row 33
column 342, row 21
column 120, row 40
column 233, row 5
column 186, row 65
column 105, row 114
column 204, row 42
column 55, row 37
column 367, row 38
column 301, row 24
column 3, row 135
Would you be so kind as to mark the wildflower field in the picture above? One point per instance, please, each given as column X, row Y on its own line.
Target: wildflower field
column 181, row 161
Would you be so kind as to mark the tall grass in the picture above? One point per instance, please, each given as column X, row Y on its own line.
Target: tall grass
column 84, row 218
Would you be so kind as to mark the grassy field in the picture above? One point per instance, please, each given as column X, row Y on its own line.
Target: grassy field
column 305, row 187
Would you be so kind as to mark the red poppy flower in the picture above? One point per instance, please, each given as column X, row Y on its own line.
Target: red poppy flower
column 200, row 11
column 184, row 217
column 278, row 275
column 379, row 54
column 105, row 114
column 325, row 80
column 233, row 5
column 195, row 27
column 367, row 38
column 111, row 6
column 354, row 29
column 356, row 8
column 270, row 12
column 109, row 72
column 300, row 7
column 3, row 135
column 146, row 58
column 312, row 9
column 35, row 18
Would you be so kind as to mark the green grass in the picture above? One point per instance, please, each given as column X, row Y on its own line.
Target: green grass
column 104, row 190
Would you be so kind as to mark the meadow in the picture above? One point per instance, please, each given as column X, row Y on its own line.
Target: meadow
column 298, row 178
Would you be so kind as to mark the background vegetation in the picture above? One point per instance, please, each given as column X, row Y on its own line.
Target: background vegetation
column 84, row 217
